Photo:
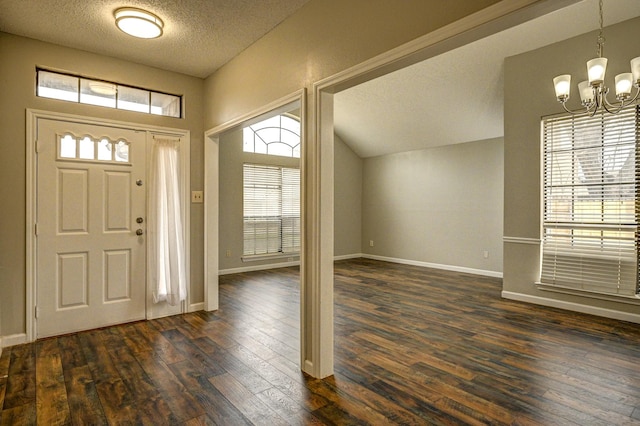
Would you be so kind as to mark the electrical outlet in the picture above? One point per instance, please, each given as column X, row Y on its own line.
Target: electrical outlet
column 228, row 253
column 485, row 254
column 370, row 243
column 197, row 196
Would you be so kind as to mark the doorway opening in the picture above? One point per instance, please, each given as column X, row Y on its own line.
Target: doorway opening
column 254, row 198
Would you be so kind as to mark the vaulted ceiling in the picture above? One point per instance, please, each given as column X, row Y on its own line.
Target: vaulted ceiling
column 456, row 97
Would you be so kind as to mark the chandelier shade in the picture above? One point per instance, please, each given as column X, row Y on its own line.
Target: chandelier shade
column 562, row 84
column 586, row 93
column 596, row 69
column 635, row 70
column 624, row 83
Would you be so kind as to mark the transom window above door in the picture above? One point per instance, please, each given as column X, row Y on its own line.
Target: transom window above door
column 74, row 88
column 277, row 135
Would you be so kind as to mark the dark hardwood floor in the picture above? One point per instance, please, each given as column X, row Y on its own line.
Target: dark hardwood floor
column 412, row 346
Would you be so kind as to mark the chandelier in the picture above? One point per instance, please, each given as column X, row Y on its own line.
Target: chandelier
column 593, row 93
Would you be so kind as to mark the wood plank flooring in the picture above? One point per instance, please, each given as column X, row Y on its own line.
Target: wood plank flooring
column 413, row 346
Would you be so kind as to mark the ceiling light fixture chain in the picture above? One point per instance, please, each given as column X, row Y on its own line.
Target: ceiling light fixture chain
column 593, row 92
column 601, row 40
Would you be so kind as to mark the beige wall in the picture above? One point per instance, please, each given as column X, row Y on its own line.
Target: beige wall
column 230, row 228
column 347, row 208
column 441, row 205
column 321, row 39
column 19, row 58
column 529, row 95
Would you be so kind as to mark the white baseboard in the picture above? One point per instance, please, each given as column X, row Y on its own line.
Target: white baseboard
column 575, row 307
column 348, row 256
column 453, row 268
column 257, row 268
column 194, row 307
column 13, row 339
column 494, row 274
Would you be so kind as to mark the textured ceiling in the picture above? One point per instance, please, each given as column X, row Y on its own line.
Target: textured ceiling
column 422, row 106
column 199, row 35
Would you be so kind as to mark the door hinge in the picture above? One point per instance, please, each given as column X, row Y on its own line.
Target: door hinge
column 35, row 229
column 37, row 146
column 37, row 312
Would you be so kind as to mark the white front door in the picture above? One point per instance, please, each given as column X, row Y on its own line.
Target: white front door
column 91, row 211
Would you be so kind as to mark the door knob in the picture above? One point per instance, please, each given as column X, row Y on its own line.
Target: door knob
column 139, row 231
column 139, row 220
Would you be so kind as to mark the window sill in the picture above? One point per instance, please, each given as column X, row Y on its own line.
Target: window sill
column 291, row 257
column 631, row 300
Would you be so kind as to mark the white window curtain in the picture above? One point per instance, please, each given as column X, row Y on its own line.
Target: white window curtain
column 166, row 239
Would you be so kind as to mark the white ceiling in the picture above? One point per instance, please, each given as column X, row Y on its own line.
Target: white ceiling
column 422, row 106
column 199, row 35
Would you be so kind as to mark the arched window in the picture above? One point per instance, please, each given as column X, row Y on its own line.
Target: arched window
column 278, row 135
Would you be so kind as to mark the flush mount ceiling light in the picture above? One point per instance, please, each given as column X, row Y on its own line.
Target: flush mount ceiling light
column 138, row 23
column 593, row 92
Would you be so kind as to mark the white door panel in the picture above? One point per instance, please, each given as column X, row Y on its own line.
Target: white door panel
column 90, row 262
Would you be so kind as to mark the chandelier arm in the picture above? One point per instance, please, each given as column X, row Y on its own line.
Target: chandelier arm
column 608, row 106
column 597, row 103
column 585, row 110
column 612, row 109
column 635, row 97
column 615, row 108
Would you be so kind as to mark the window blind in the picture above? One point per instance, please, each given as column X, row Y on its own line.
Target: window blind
column 271, row 209
column 590, row 219
column 290, row 210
